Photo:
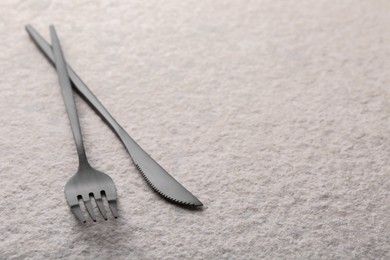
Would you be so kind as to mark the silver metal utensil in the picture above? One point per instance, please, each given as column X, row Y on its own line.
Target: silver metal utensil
column 87, row 183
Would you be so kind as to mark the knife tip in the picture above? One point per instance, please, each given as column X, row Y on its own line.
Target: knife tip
column 197, row 203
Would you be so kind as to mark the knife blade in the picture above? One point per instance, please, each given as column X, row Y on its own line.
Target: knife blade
column 156, row 176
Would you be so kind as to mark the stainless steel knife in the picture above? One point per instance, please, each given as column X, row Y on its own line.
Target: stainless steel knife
column 159, row 179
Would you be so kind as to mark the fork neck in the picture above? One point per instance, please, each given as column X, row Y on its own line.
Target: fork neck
column 83, row 161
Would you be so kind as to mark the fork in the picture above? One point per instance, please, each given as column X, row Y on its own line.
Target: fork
column 87, row 183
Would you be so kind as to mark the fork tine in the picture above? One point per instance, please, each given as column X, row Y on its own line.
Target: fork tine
column 99, row 203
column 78, row 213
column 88, row 206
column 113, row 208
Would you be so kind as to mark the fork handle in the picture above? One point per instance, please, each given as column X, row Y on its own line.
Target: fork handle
column 67, row 94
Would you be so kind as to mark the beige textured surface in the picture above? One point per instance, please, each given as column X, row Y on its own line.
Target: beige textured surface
column 276, row 114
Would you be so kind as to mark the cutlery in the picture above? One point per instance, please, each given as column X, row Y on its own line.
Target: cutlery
column 87, row 183
column 156, row 176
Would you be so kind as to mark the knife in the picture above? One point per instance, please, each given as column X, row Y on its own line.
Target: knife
column 158, row 178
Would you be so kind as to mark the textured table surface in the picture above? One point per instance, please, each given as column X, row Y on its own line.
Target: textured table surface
column 275, row 114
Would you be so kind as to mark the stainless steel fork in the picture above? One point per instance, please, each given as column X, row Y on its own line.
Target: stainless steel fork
column 87, row 183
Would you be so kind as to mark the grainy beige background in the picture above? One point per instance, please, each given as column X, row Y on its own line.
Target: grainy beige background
column 276, row 114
